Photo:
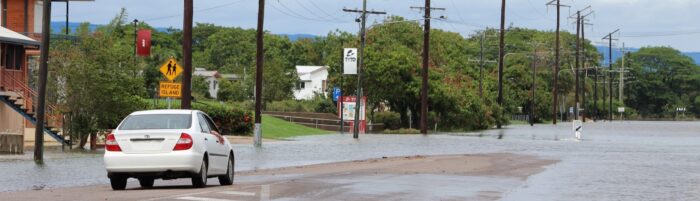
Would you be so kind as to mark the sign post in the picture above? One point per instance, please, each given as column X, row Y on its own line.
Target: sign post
column 170, row 89
column 578, row 128
column 621, row 110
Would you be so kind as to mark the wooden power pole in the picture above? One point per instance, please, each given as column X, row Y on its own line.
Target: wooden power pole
column 501, row 55
column 257, row 135
column 43, row 76
column 361, row 51
column 426, row 66
column 555, row 80
column 187, row 56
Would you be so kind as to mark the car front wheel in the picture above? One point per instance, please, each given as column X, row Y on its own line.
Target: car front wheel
column 227, row 179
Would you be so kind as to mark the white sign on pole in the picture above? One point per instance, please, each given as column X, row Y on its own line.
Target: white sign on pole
column 350, row 61
column 578, row 128
column 621, row 109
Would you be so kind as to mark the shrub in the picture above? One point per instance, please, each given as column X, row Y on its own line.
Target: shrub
column 231, row 120
column 391, row 120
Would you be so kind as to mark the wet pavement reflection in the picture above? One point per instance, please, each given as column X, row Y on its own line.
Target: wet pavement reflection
column 615, row 160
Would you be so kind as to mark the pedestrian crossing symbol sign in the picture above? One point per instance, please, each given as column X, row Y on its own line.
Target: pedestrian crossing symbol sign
column 171, row 69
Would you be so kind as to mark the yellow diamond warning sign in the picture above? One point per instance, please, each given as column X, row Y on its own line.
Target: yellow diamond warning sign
column 171, row 69
column 170, row 89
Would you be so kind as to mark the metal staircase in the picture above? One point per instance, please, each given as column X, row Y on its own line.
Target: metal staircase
column 18, row 96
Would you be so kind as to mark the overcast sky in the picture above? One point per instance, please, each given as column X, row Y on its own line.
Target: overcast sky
column 642, row 22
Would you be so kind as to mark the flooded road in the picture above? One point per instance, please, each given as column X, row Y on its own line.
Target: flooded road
column 615, row 161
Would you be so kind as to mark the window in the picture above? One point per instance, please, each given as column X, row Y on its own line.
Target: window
column 203, row 123
column 301, row 85
column 156, row 121
column 12, row 56
column 212, row 125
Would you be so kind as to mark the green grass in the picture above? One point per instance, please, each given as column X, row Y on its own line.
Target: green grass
column 275, row 128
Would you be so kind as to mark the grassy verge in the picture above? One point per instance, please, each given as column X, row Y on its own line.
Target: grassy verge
column 275, row 128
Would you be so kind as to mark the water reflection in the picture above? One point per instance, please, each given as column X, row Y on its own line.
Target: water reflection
column 616, row 161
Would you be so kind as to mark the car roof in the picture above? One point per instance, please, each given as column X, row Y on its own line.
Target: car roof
column 164, row 112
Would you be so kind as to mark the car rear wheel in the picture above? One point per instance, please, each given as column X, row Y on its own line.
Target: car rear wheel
column 146, row 182
column 227, row 179
column 117, row 182
column 199, row 180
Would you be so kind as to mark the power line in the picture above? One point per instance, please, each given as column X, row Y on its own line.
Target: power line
column 198, row 10
column 327, row 14
column 311, row 12
column 301, row 17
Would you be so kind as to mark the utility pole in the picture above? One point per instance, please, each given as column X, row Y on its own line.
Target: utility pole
column 187, row 56
column 584, row 59
column 610, row 39
column 579, row 24
column 501, row 54
column 534, row 80
column 358, row 97
column 555, row 80
column 259, row 35
column 595, row 93
column 481, row 66
column 578, row 56
column 482, row 62
column 622, row 76
column 426, row 65
column 43, row 74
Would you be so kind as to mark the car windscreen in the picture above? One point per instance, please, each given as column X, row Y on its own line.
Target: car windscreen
column 157, row 121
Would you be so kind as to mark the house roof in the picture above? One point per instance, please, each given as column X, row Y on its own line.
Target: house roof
column 310, row 69
column 9, row 36
column 304, row 72
column 206, row 73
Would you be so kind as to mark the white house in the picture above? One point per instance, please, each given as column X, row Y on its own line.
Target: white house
column 210, row 77
column 312, row 80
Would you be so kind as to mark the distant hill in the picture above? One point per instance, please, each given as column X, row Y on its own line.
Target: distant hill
column 59, row 27
column 294, row 37
column 617, row 54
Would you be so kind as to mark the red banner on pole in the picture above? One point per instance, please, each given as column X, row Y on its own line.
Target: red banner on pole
column 143, row 42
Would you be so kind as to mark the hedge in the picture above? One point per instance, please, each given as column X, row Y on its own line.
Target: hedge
column 231, row 120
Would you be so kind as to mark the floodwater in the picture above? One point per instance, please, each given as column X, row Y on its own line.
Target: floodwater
column 630, row 160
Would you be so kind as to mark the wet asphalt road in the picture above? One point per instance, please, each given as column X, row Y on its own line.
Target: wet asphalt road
column 615, row 161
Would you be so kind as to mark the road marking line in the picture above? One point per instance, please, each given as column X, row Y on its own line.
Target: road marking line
column 264, row 192
column 201, row 199
column 174, row 196
column 241, row 193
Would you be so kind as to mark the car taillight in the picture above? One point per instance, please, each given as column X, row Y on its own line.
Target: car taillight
column 184, row 143
column 111, row 143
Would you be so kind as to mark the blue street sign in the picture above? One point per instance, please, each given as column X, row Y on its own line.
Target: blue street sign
column 336, row 93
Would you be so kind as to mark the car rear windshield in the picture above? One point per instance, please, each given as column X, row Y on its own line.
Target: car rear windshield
column 157, row 121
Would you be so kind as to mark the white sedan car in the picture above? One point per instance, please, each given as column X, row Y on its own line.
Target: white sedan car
column 167, row 144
